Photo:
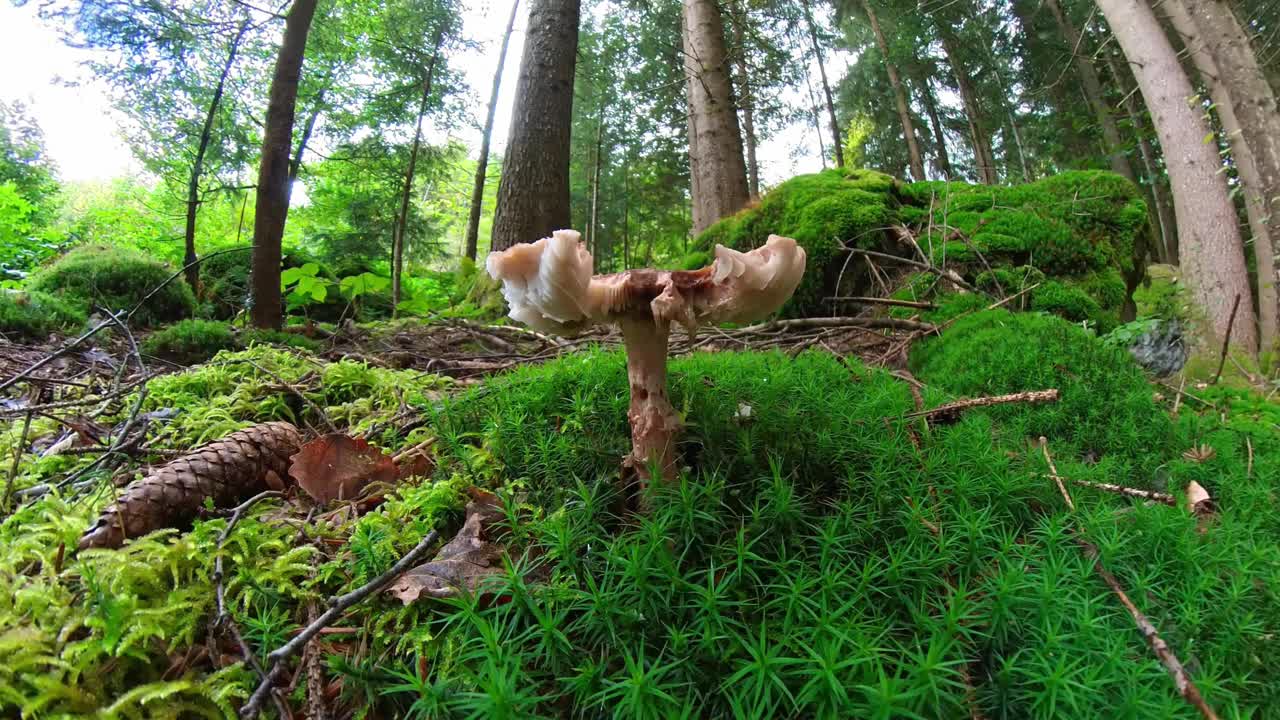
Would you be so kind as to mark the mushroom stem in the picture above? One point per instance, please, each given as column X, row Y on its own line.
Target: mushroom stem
column 654, row 422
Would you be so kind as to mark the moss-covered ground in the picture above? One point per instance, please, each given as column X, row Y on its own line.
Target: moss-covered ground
column 820, row 556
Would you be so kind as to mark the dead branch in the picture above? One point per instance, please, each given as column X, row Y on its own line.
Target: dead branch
column 952, row 410
column 1053, row 472
column 1159, row 497
column 949, row 276
column 1226, row 340
column 861, row 300
column 827, row 322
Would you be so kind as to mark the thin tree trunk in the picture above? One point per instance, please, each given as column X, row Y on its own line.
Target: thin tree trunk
column 271, row 208
column 935, row 123
column 1168, row 245
column 402, row 217
column 817, row 123
column 1092, row 87
column 722, row 182
column 626, row 216
column 594, row 223
column 1253, row 123
column 983, row 156
column 482, row 164
column 197, row 167
column 295, row 164
column 1211, row 250
column 533, row 195
column 746, row 101
column 836, row 140
column 899, row 96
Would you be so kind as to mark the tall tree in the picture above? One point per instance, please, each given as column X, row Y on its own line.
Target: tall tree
column 983, row 155
column 533, row 195
column 720, row 175
column 746, row 100
column 836, row 139
column 271, row 207
column 899, row 94
column 935, row 123
column 397, row 239
column 482, row 165
column 1210, row 247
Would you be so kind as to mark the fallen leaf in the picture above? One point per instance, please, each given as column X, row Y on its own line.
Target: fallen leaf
column 468, row 559
column 338, row 467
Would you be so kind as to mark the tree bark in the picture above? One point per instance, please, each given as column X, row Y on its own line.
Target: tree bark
column 722, row 182
column 1252, row 183
column 1168, row 246
column 899, row 96
column 533, row 195
column 983, row 156
column 1251, row 119
column 482, row 164
column 271, row 208
column 935, row 123
column 1211, row 251
column 836, row 140
column 402, row 217
column 817, row 122
column 1092, row 87
column 197, row 167
column 295, row 164
column 593, row 225
column 746, row 102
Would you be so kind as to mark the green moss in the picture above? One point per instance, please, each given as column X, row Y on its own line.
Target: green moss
column 190, row 341
column 1072, row 303
column 1106, row 406
column 33, row 316
column 258, row 336
column 694, row 261
column 117, row 279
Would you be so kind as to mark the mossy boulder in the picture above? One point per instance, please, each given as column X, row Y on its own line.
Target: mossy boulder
column 117, row 279
column 190, row 342
column 33, row 316
column 1083, row 230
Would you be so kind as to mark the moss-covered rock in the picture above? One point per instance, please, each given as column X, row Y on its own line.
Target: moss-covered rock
column 190, row 341
column 1082, row 229
column 32, row 316
column 117, row 279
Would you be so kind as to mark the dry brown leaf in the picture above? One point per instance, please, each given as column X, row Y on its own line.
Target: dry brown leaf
column 338, row 467
column 1199, row 453
column 468, row 559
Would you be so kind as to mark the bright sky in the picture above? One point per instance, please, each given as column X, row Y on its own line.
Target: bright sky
column 82, row 133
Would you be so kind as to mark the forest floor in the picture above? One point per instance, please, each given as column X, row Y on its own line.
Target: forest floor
column 843, row 540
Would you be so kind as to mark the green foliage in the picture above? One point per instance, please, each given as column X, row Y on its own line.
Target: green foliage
column 1105, row 408
column 1072, row 303
column 117, row 279
column 33, row 315
column 190, row 341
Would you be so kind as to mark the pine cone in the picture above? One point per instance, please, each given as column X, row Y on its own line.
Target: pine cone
column 229, row 470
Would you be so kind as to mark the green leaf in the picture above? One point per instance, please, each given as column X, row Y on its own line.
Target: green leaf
column 1207, row 139
column 354, row 286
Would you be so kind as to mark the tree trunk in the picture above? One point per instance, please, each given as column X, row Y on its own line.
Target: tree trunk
column 722, row 182
column 1253, row 123
column 935, row 124
column 533, row 195
column 836, row 140
column 295, row 164
column 1168, row 250
column 1211, row 251
column 593, row 225
column 817, row 123
column 482, row 164
column 402, row 218
column 899, row 96
column 197, row 167
column 983, row 156
column 747, row 102
column 626, row 216
column 271, row 208
column 1092, row 87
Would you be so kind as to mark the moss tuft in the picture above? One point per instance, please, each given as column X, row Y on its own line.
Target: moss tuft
column 33, row 316
column 190, row 341
column 117, row 279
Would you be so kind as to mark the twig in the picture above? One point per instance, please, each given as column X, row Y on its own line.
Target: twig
column 1226, row 341
column 1248, row 473
column 337, row 606
column 56, row 354
column 1159, row 497
column 883, row 301
column 1181, row 681
column 310, row 403
column 1177, row 399
column 950, row 277
column 22, row 443
column 825, row 322
column 954, row 408
column 1053, row 470
column 178, row 274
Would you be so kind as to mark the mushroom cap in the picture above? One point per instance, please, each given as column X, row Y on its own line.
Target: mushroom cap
column 549, row 286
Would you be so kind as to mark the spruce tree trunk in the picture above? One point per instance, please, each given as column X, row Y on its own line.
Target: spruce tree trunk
column 815, row 115
column 722, row 175
column 1253, row 122
column 1167, row 252
column 593, row 225
column 899, row 96
column 533, row 195
column 402, row 217
column 1092, row 86
column 836, row 140
column 1252, row 183
column 482, row 164
column 746, row 101
column 983, row 156
column 271, row 208
column 1211, row 251
column 197, row 166
column 935, row 123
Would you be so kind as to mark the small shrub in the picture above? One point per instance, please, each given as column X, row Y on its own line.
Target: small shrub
column 117, row 279
column 35, row 315
column 190, row 341
column 224, row 280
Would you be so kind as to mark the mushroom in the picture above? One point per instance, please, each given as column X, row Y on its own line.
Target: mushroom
column 550, row 287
